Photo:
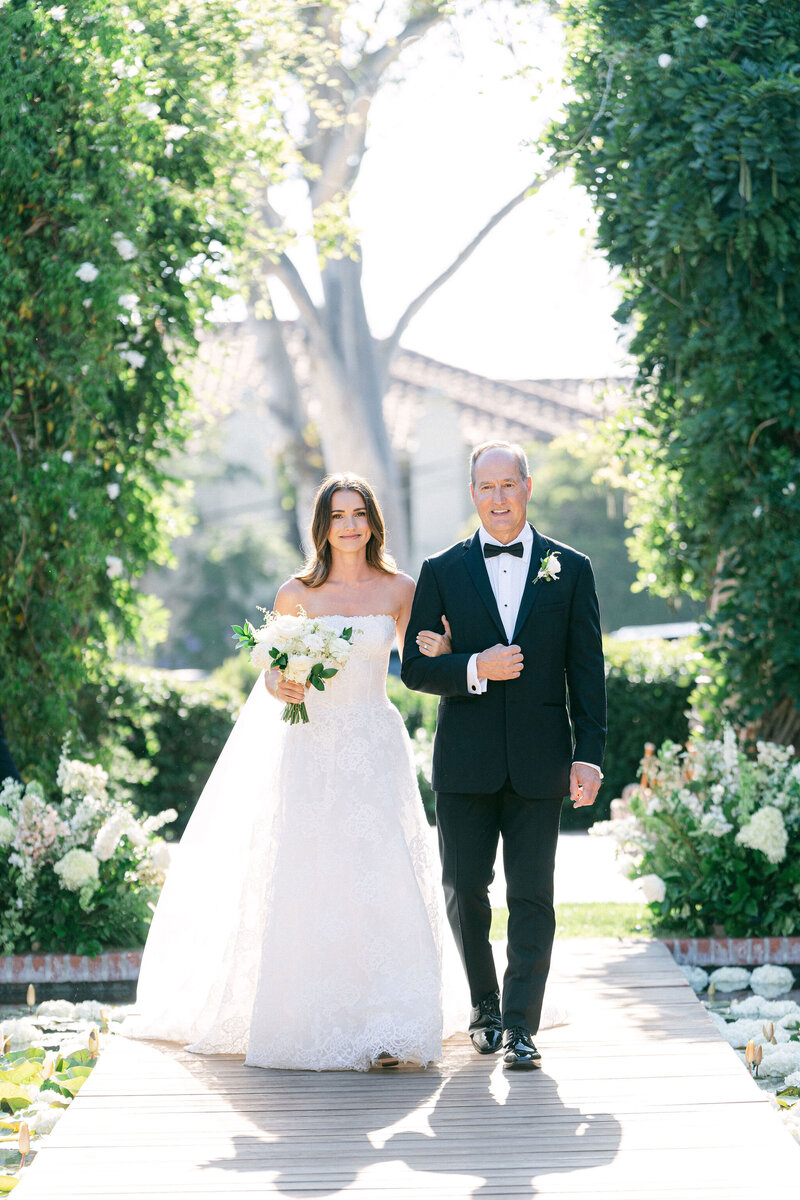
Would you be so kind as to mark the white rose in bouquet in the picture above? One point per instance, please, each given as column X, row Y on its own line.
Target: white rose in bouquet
column 298, row 668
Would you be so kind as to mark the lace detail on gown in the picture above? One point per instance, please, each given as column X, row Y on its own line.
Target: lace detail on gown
column 301, row 924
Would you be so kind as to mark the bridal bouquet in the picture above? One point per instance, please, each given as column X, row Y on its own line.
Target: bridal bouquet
column 303, row 648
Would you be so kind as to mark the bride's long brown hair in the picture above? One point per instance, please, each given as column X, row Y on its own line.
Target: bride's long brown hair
column 318, row 564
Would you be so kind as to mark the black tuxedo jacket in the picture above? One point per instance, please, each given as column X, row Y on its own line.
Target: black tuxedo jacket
column 528, row 729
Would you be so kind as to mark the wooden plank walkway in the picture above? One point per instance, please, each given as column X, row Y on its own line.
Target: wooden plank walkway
column 639, row 1099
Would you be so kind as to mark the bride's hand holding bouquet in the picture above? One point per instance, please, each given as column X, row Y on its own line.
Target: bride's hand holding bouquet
column 297, row 652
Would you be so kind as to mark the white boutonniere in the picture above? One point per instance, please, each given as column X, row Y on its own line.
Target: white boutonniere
column 550, row 568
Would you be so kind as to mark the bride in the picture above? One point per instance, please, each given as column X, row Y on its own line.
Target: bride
column 301, row 921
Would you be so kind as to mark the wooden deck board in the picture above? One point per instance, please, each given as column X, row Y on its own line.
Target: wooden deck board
column 639, row 1099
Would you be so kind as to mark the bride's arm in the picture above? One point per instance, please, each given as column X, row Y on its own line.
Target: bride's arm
column 288, row 598
column 405, row 598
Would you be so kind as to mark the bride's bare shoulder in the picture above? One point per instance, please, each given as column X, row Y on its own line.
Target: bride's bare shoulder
column 402, row 591
column 290, row 594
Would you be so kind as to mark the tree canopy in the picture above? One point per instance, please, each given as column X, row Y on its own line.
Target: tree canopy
column 692, row 168
column 119, row 215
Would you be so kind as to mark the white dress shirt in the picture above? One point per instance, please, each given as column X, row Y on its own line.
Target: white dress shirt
column 507, row 575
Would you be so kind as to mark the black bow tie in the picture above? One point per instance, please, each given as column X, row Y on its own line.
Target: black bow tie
column 491, row 551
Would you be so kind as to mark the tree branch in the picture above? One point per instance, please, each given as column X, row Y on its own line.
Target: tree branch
column 390, row 344
column 373, row 65
column 563, row 159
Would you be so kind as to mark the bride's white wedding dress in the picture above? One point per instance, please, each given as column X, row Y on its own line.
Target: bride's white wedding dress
column 301, row 922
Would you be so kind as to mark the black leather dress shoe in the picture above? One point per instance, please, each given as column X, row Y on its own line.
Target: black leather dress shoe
column 485, row 1025
column 519, row 1052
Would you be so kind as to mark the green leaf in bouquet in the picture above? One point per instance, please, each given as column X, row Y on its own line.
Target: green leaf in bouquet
column 346, row 634
column 317, row 683
column 328, row 673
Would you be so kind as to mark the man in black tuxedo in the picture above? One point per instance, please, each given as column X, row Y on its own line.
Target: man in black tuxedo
column 520, row 611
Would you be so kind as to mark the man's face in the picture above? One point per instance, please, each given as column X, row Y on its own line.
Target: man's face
column 500, row 494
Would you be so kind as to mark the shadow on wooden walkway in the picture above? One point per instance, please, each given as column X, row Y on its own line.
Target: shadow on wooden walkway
column 639, row 1099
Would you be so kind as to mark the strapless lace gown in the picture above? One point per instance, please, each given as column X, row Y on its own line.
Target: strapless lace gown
column 301, row 923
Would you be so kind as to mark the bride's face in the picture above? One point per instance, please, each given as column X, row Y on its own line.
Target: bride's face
column 349, row 529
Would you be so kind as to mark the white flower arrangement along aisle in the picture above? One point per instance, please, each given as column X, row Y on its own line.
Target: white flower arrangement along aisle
column 80, row 873
column 762, row 1028
column 714, row 837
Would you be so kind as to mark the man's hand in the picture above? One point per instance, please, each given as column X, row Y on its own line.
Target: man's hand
column 499, row 662
column 584, row 784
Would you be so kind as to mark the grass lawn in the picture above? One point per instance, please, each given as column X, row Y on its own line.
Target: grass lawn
column 589, row 920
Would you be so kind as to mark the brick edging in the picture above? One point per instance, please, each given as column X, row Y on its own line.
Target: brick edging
column 111, row 966
column 734, row 952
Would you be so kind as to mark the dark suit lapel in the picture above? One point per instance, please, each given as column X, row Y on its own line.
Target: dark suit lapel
column 533, row 590
column 473, row 558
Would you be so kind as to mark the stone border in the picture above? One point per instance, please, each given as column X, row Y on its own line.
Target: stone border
column 734, row 952
column 122, row 965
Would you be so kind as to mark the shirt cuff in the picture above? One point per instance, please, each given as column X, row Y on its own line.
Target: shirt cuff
column 579, row 762
column 475, row 686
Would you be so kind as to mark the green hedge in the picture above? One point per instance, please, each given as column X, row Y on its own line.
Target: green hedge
column 159, row 735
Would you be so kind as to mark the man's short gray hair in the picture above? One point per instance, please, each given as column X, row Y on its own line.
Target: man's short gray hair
column 514, row 448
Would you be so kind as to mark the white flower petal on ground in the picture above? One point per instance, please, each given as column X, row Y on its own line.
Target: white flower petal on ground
column 730, row 979
column 696, row 976
column 771, row 981
column 87, row 272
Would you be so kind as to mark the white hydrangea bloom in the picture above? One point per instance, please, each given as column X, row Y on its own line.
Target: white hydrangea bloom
column 696, row 976
column 664, row 60
column 161, row 856
column 7, row 831
column 729, row 979
column 62, row 1010
column 134, row 357
column 781, row 1060
column 771, row 981
column 87, row 272
column 174, row 133
column 23, row 1033
column 43, row 1120
column 114, row 566
column 77, row 869
column 653, row 887
column 765, row 832
column 739, row 1033
column 148, row 109
column 770, row 1010
column 701, row 21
